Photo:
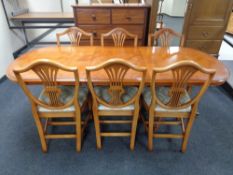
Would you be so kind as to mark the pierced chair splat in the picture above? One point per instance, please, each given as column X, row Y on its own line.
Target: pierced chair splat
column 173, row 105
column 116, row 99
column 75, row 34
column 55, row 101
column 119, row 36
column 165, row 37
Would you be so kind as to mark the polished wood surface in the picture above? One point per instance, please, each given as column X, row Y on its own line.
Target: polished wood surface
column 119, row 36
column 101, row 18
column 128, row 16
column 75, row 35
column 230, row 25
column 205, row 23
column 43, row 16
column 149, row 57
column 153, row 15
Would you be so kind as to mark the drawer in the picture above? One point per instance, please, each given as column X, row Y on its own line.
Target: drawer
column 128, row 16
column 205, row 33
column 211, row 47
column 93, row 16
column 97, row 30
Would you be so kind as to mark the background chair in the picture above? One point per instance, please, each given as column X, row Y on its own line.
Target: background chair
column 56, row 102
column 119, row 35
column 115, row 99
column 165, row 36
column 173, row 102
column 75, row 34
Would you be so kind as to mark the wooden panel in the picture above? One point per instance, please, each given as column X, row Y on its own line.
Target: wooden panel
column 206, row 20
column 214, row 12
column 208, row 46
column 205, row 33
column 97, row 30
column 93, row 16
column 149, row 57
column 230, row 25
column 128, row 16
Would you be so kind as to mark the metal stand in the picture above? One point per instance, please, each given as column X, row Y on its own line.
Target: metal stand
column 24, row 25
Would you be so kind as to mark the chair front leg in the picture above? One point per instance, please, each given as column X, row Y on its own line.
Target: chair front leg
column 151, row 129
column 78, row 130
column 97, row 127
column 134, row 126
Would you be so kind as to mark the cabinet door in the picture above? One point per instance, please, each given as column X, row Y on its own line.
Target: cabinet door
column 210, row 12
column 205, row 23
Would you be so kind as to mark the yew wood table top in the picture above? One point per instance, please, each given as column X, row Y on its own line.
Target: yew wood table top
column 148, row 57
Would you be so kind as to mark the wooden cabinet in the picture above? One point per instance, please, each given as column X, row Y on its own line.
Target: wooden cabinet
column 205, row 24
column 99, row 19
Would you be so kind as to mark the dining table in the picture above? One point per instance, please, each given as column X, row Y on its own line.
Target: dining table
column 149, row 57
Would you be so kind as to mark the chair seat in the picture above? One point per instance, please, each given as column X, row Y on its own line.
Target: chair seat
column 66, row 95
column 162, row 93
column 102, row 92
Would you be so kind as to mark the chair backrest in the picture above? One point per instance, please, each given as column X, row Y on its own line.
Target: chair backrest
column 75, row 34
column 115, row 71
column 119, row 35
column 165, row 35
column 47, row 71
column 182, row 72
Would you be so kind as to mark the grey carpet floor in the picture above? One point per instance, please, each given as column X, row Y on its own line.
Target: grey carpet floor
column 210, row 149
column 229, row 65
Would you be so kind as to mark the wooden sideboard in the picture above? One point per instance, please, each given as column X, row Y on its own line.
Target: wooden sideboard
column 205, row 24
column 99, row 19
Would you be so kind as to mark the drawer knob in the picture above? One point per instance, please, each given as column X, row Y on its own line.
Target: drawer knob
column 205, row 34
column 94, row 34
column 128, row 18
column 93, row 17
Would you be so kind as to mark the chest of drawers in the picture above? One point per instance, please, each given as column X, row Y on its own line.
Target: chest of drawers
column 99, row 19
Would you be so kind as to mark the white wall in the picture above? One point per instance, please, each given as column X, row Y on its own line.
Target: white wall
column 174, row 7
column 5, row 44
column 167, row 7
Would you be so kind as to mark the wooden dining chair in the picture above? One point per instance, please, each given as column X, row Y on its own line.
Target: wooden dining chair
column 56, row 101
column 75, row 34
column 172, row 105
column 119, row 35
column 165, row 36
column 115, row 99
